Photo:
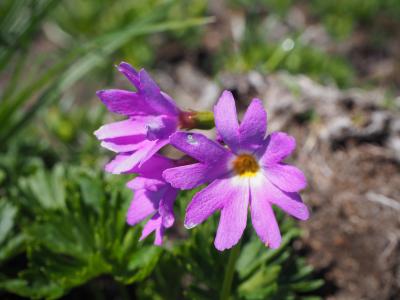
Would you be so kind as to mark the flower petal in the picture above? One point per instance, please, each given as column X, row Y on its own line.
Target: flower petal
column 286, row 177
column 152, row 150
column 158, row 101
column 154, row 224
column 191, row 176
column 149, row 184
column 115, row 162
column 124, row 102
column 130, row 73
column 123, row 136
column 253, row 127
column 143, row 204
column 233, row 218
column 199, row 147
column 137, row 158
column 153, row 167
column 120, row 129
column 125, row 145
column 208, row 200
column 291, row 203
column 166, row 208
column 161, row 127
column 278, row 146
column 263, row 218
column 133, row 160
column 226, row 120
column 133, row 134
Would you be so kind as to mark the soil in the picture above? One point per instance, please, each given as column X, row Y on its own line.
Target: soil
column 352, row 240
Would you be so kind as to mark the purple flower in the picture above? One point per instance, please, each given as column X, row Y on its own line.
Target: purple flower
column 152, row 118
column 250, row 173
column 153, row 197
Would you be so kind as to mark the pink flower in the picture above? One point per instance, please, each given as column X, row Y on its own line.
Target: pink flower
column 153, row 197
column 152, row 118
column 250, row 174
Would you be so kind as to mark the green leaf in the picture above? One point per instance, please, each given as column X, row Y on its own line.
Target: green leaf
column 19, row 23
column 307, row 286
column 7, row 217
column 11, row 242
column 47, row 190
column 87, row 236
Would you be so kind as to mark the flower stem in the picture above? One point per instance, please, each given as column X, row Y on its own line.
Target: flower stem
column 196, row 119
column 204, row 120
column 229, row 272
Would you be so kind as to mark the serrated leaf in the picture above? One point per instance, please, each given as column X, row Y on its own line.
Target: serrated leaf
column 7, row 217
column 307, row 286
column 86, row 239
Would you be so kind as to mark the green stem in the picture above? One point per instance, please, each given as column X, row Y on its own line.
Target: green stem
column 205, row 120
column 196, row 119
column 229, row 272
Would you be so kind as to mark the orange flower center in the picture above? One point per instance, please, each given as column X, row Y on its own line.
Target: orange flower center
column 245, row 165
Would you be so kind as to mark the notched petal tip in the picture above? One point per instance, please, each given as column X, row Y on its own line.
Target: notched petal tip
column 130, row 221
column 96, row 133
column 274, row 245
column 99, row 93
column 113, row 171
column 125, row 64
column 127, row 67
column 279, row 145
column 157, row 243
column 168, row 222
column 189, row 225
column 227, row 93
column 222, row 247
column 303, row 213
column 257, row 103
column 225, row 101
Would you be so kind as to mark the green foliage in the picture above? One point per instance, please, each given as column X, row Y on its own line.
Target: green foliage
column 341, row 16
column 20, row 21
column 11, row 243
column 274, row 274
column 260, row 50
column 291, row 55
column 118, row 14
column 76, row 230
column 277, row 6
column 70, row 67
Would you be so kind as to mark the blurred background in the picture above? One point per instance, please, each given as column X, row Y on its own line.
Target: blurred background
column 328, row 73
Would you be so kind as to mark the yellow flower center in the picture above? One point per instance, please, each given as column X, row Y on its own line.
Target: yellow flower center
column 245, row 165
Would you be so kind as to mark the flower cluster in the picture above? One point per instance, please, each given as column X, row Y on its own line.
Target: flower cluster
column 244, row 169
